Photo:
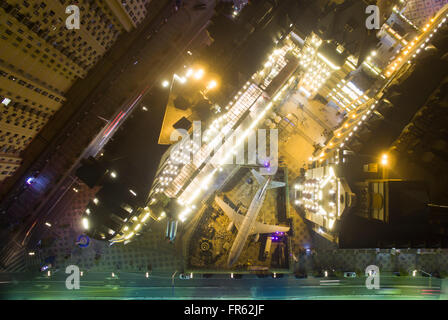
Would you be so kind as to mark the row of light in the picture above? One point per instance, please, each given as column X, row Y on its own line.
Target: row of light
column 219, row 126
column 312, row 195
column 406, row 50
column 317, row 70
column 350, row 134
column 138, row 222
column 183, row 155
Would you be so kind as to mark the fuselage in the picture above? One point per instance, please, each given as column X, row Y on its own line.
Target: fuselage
column 248, row 223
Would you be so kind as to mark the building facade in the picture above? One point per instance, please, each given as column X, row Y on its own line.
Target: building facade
column 41, row 59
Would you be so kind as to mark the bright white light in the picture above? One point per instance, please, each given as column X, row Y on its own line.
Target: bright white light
column 113, row 174
column 145, row 217
column 133, row 192
column 129, row 235
column 212, row 84
column 199, row 74
column 165, row 83
column 48, row 224
column 95, row 200
column 6, row 101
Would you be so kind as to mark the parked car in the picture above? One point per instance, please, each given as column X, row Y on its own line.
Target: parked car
column 349, row 274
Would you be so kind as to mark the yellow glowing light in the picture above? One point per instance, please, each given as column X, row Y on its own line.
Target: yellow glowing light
column 129, row 235
column 384, row 159
column 199, row 74
column 212, row 84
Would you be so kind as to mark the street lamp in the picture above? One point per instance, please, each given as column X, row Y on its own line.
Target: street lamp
column 384, row 163
column 384, row 159
column 199, row 74
column 212, row 84
column 85, row 223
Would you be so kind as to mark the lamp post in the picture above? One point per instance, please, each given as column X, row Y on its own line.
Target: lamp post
column 384, row 163
column 172, row 281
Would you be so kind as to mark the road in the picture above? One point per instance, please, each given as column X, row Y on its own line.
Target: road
column 137, row 286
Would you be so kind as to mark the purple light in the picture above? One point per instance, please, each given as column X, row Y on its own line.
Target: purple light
column 29, row 180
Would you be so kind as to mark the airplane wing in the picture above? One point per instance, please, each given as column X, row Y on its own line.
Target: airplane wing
column 276, row 184
column 258, row 177
column 267, row 228
column 235, row 217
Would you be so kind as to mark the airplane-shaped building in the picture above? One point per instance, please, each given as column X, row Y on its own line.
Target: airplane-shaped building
column 247, row 224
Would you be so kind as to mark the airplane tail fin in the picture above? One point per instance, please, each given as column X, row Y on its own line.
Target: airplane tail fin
column 261, row 180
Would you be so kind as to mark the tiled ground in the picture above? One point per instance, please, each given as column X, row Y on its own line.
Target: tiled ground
column 148, row 250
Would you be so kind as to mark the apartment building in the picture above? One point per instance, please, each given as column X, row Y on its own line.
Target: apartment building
column 40, row 59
